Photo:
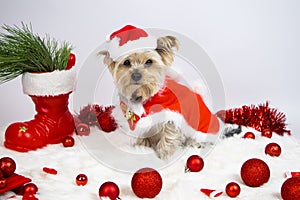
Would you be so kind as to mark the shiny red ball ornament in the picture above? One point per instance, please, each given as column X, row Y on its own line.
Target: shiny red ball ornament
column 194, row 164
column 255, row 172
column 233, row 189
column 249, row 135
column 68, row 141
column 110, row 190
column 273, row 149
column 71, row 61
column 30, row 188
column 82, row 129
column 290, row 189
column 106, row 121
column 28, row 196
column 3, row 183
column 266, row 133
column 7, row 166
column 146, row 183
column 81, row 180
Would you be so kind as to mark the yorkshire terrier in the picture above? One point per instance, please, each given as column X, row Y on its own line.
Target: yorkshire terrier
column 141, row 78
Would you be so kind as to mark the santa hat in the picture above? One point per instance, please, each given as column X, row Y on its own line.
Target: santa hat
column 127, row 40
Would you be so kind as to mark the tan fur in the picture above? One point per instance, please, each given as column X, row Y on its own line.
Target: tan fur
column 164, row 138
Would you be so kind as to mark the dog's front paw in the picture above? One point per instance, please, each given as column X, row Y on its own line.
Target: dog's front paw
column 143, row 142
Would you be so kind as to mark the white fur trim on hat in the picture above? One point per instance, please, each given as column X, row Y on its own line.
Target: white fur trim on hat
column 49, row 83
column 116, row 51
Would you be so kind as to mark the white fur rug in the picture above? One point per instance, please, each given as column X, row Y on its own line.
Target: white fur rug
column 222, row 165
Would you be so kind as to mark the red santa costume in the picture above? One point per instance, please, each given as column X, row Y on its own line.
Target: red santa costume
column 173, row 102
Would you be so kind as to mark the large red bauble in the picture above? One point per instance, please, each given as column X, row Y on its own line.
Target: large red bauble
column 266, row 133
column 146, row 183
column 110, row 190
column 290, row 189
column 68, row 141
column 30, row 188
column 71, row 61
column 233, row 189
column 255, row 172
column 81, row 179
column 249, row 135
column 194, row 163
column 273, row 149
column 7, row 166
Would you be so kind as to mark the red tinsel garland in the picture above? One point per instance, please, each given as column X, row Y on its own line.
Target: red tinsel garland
column 259, row 117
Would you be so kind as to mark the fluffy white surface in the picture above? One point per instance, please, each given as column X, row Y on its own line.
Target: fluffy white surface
column 222, row 165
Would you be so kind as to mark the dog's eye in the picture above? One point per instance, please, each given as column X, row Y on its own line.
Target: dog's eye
column 148, row 63
column 126, row 63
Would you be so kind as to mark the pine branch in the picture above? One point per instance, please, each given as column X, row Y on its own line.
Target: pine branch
column 23, row 51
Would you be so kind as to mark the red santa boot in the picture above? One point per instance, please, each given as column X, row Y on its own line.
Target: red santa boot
column 53, row 122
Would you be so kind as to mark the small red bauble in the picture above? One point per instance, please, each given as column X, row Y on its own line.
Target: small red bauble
column 273, row 149
column 266, row 133
column 71, row 61
column 290, row 189
column 7, row 166
column 68, row 141
column 28, row 196
column 3, row 183
column 110, row 190
column 106, row 121
column 249, row 135
column 255, row 172
column 30, row 188
column 82, row 129
column 81, row 179
column 146, row 183
column 233, row 189
column 194, row 164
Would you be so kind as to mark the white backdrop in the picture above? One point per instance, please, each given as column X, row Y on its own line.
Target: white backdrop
column 253, row 43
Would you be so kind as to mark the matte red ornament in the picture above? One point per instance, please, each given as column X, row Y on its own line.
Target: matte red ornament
column 255, row 172
column 273, row 149
column 106, row 121
column 82, row 129
column 71, row 61
column 7, row 166
column 290, row 189
column 68, row 141
column 146, row 183
column 3, row 183
column 249, row 135
column 30, row 188
column 110, row 190
column 266, row 133
column 194, row 164
column 233, row 189
column 81, row 180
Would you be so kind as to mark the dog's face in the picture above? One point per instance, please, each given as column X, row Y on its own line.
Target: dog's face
column 140, row 75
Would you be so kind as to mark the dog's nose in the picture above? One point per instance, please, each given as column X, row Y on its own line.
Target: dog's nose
column 136, row 76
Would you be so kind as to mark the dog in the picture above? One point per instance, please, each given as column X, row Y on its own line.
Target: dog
column 152, row 104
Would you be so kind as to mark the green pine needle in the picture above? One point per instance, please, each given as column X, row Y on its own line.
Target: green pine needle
column 23, row 51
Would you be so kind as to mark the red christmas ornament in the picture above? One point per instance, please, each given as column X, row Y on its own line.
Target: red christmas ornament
column 71, row 61
column 7, row 166
column 110, row 190
column 292, row 174
column 266, row 133
column 255, row 172
column 194, row 164
column 258, row 117
column 82, row 129
column 30, row 188
column 233, row 189
column 68, row 141
column 249, row 135
column 28, row 196
column 273, row 149
column 3, row 183
column 146, row 183
column 290, row 189
column 106, row 121
column 81, row 180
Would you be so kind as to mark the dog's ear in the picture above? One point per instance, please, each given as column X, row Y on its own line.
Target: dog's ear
column 165, row 46
column 108, row 61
